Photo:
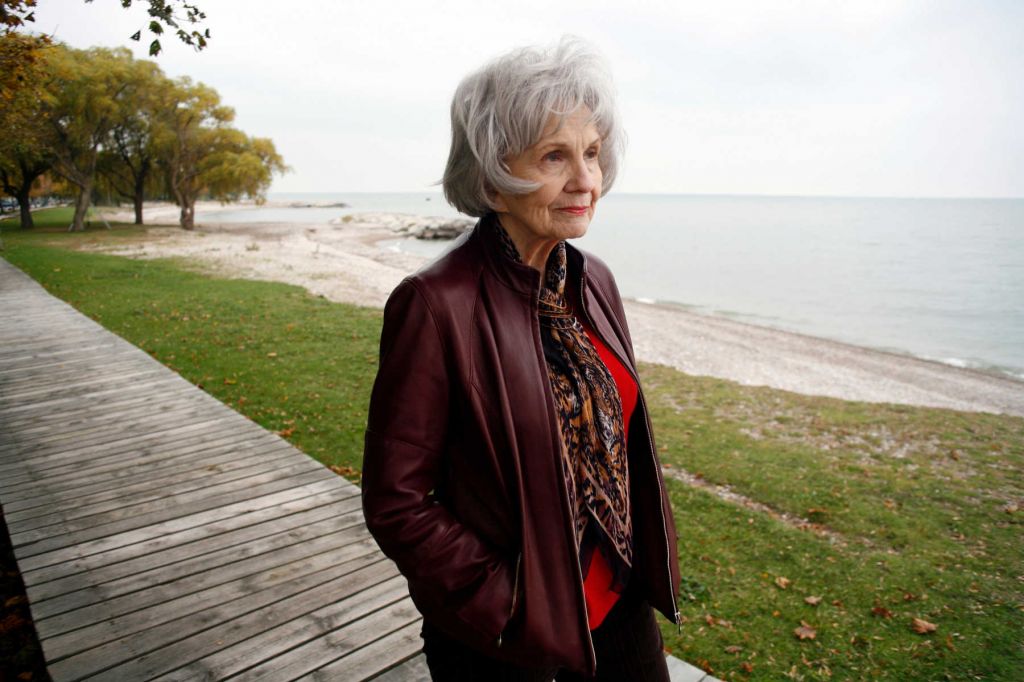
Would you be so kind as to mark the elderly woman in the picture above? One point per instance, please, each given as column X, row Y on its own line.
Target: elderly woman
column 510, row 470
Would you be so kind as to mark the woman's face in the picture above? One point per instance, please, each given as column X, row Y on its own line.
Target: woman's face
column 564, row 162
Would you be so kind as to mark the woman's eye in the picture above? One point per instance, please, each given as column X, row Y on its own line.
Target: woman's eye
column 593, row 153
column 553, row 156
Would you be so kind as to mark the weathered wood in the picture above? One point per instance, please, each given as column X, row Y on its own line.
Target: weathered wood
column 412, row 670
column 149, row 653
column 116, row 568
column 139, row 570
column 363, row 663
column 269, row 645
column 173, row 526
column 162, row 535
column 111, row 478
column 336, row 643
column 132, row 499
column 117, row 618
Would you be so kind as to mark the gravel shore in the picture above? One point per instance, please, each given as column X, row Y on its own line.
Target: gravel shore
column 344, row 261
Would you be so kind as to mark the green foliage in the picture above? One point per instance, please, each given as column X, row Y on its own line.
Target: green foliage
column 101, row 111
column 209, row 156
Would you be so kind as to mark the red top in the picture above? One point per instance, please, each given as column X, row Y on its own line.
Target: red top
column 597, row 582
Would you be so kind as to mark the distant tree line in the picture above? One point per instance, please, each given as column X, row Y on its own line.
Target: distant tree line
column 98, row 121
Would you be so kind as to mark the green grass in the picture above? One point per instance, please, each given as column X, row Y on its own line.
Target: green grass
column 916, row 508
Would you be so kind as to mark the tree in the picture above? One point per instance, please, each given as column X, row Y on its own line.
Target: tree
column 87, row 95
column 210, row 156
column 132, row 152
column 25, row 146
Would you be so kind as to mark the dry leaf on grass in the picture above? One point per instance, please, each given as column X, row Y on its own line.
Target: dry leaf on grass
column 782, row 582
column 734, row 649
column 881, row 612
column 805, row 631
column 923, row 627
column 813, row 601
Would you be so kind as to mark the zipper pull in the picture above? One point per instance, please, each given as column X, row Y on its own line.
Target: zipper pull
column 679, row 623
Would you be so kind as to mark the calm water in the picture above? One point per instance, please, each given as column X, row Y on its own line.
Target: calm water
column 937, row 278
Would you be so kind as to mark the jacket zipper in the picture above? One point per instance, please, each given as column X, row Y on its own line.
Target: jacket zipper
column 515, row 594
column 650, row 441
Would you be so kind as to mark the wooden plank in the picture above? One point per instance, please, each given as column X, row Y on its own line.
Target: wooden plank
column 111, row 619
column 129, row 498
column 147, row 654
column 337, row 643
column 138, row 570
column 412, row 670
column 61, row 554
column 160, row 533
column 364, row 663
column 278, row 640
column 94, row 454
column 33, row 542
column 147, row 464
column 116, row 569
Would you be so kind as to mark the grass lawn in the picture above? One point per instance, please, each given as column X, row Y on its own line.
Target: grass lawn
column 914, row 513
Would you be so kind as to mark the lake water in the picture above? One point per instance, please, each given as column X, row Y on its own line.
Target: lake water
column 937, row 278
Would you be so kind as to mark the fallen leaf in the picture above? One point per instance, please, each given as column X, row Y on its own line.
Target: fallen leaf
column 230, row 382
column 881, row 612
column 734, row 649
column 889, row 504
column 284, row 433
column 747, row 666
column 813, row 601
column 805, row 631
column 783, row 582
column 923, row 627
column 271, row 355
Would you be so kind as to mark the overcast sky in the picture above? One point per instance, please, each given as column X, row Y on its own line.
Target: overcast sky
column 865, row 98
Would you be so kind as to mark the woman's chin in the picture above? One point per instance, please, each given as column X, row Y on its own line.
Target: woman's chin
column 574, row 228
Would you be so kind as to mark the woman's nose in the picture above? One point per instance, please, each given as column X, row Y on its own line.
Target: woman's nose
column 584, row 172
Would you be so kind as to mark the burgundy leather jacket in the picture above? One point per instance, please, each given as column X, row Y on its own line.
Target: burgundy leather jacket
column 462, row 480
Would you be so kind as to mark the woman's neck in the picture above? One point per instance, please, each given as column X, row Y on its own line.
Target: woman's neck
column 533, row 250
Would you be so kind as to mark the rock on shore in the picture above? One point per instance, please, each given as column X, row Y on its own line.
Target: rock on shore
column 408, row 225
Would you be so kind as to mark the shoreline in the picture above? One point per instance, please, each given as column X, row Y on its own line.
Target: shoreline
column 342, row 261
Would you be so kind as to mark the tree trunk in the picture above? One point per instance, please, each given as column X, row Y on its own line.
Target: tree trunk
column 25, row 206
column 81, row 206
column 188, row 214
column 140, row 190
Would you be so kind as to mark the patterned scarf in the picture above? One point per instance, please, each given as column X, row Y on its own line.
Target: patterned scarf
column 590, row 411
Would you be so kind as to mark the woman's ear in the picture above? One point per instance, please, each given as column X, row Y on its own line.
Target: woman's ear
column 497, row 199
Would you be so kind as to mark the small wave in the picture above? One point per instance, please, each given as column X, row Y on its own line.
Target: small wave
column 646, row 301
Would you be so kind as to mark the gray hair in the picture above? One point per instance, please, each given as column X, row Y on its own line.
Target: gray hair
column 502, row 109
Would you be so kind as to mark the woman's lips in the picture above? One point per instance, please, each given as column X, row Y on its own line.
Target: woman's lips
column 575, row 210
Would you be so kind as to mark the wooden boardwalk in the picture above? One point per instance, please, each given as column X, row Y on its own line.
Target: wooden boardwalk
column 161, row 535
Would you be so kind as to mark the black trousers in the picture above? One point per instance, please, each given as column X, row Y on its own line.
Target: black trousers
column 628, row 645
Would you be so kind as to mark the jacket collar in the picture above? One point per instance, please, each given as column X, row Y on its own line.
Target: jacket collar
column 519, row 276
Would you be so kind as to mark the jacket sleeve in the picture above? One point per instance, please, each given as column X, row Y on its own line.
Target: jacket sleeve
column 464, row 585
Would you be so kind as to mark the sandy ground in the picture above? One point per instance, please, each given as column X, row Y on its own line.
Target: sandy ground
column 343, row 261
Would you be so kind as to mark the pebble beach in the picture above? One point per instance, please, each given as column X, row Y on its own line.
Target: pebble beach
column 348, row 260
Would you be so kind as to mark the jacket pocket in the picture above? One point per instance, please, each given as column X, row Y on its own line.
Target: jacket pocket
column 515, row 594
